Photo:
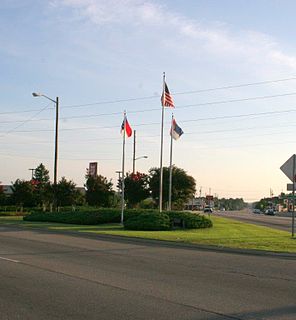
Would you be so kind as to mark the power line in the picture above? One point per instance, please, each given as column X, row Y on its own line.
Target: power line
column 27, row 120
column 183, row 93
column 157, row 123
column 182, row 107
column 158, row 96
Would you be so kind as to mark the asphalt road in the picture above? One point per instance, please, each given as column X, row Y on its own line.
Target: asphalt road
column 57, row 276
column 276, row 222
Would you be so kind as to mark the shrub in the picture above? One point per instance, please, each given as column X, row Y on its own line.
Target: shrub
column 134, row 219
column 191, row 220
column 77, row 217
column 153, row 221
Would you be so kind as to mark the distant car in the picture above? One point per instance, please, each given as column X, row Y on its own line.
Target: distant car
column 269, row 212
column 208, row 210
column 257, row 211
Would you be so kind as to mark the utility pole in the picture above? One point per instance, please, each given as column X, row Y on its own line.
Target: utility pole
column 55, row 174
column 134, row 153
column 56, row 143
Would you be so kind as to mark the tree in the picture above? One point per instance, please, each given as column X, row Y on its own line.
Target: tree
column 232, row 204
column 2, row 195
column 41, row 174
column 43, row 191
column 23, row 193
column 66, row 192
column 183, row 186
column 98, row 191
column 136, row 188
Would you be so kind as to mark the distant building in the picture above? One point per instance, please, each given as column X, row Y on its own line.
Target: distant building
column 195, row 204
column 7, row 189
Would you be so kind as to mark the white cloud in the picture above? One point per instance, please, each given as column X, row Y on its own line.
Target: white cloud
column 247, row 45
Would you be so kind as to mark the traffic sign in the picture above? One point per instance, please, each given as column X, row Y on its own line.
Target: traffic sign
column 289, row 186
column 288, row 168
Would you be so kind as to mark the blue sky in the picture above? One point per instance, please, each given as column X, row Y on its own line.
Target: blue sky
column 92, row 53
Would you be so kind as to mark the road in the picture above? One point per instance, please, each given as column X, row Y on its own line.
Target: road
column 57, row 276
column 276, row 222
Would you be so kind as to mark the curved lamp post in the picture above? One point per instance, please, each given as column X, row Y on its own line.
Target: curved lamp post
column 134, row 162
column 56, row 102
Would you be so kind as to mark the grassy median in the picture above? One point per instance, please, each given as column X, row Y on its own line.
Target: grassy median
column 225, row 233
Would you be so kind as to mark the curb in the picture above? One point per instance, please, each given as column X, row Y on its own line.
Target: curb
column 163, row 243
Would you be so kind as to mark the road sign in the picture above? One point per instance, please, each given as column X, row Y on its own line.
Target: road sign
column 289, row 186
column 288, row 168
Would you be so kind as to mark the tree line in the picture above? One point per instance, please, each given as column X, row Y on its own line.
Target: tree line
column 141, row 190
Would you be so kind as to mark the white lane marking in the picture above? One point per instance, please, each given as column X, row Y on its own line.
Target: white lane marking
column 11, row 260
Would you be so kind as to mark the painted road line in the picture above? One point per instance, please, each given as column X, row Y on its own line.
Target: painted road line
column 11, row 260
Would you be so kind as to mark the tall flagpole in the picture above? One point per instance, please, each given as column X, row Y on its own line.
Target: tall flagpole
column 171, row 168
column 161, row 148
column 122, row 173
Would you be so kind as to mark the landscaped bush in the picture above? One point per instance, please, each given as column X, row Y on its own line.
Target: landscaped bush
column 135, row 219
column 99, row 216
column 148, row 221
column 190, row 220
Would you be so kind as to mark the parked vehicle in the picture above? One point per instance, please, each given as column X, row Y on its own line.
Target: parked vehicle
column 208, row 210
column 257, row 211
column 269, row 212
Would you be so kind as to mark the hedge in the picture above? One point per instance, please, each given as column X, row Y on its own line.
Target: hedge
column 191, row 220
column 148, row 221
column 136, row 219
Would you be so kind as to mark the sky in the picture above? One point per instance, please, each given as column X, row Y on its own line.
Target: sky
column 230, row 66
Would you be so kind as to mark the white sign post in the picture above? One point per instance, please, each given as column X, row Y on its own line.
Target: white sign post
column 288, row 169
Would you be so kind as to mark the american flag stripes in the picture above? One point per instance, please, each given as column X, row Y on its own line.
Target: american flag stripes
column 166, row 98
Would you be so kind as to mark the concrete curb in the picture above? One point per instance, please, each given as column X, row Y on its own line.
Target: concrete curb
column 162, row 243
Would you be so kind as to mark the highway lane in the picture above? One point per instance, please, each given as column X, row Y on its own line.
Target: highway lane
column 56, row 276
column 276, row 222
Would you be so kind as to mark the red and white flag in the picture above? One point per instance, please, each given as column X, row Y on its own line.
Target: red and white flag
column 125, row 126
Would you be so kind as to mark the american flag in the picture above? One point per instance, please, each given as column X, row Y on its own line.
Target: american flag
column 166, row 98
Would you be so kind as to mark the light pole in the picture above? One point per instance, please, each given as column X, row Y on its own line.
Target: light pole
column 56, row 133
column 134, row 162
column 32, row 170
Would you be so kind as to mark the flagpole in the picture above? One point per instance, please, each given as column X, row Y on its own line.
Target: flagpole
column 161, row 148
column 122, row 173
column 171, row 168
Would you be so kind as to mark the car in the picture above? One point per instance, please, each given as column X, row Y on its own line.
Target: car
column 269, row 212
column 208, row 210
column 257, row 211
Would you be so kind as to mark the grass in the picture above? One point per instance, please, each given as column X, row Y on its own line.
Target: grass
column 225, row 233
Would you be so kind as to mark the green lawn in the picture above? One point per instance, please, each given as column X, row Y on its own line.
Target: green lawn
column 225, row 233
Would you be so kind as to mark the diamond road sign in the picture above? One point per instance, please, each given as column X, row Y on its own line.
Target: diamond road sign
column 288, row 168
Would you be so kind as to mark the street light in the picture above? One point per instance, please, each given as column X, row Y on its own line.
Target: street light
column 56, row 132
column 134, row 162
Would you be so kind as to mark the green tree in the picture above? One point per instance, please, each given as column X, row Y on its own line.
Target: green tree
column 66, row 192
column 43, row 191
column 136, row 188
column 232, row 204
column 183, row 186
column 2, row 195
column 99, row 191
column 23, row 193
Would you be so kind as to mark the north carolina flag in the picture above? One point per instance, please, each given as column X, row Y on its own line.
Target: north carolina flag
column 176, row 131
column 128, row 129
